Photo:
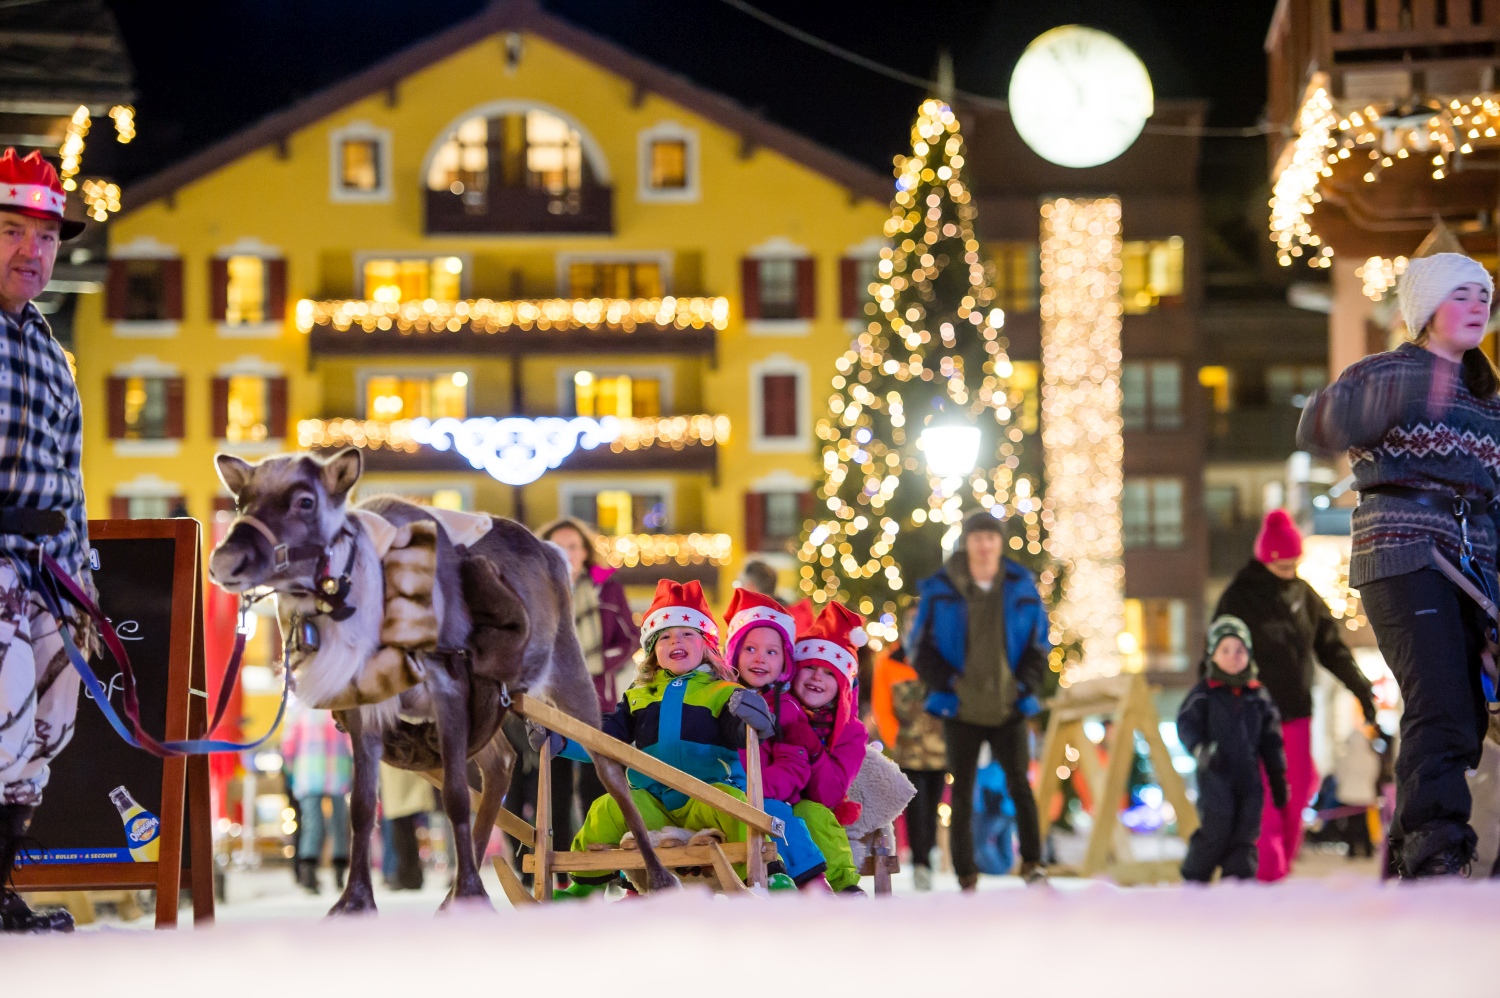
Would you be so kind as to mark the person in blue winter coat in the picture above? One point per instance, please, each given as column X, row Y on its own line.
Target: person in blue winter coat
column 1230, row 724
column 981, row 648
column 994, row 822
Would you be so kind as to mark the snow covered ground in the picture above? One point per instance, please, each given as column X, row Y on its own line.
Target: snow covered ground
column 1338, row 936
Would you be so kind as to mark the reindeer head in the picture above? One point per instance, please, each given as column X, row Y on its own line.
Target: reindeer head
column 299, row 500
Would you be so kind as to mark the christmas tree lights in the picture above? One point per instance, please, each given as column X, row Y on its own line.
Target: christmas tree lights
column 930, row 355
column 1081, row 430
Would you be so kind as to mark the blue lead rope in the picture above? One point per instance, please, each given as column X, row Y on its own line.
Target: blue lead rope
column 55, row 578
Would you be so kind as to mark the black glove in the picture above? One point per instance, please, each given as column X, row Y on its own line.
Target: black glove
column 1278, row 791
column 750, row 707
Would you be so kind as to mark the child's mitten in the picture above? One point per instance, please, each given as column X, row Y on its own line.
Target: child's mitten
column 750, row 707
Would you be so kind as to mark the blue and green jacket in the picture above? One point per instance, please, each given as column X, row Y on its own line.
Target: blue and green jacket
column 685, row 722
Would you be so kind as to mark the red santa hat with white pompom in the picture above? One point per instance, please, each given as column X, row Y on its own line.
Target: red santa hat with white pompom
column 833, row 641
column 748, row 610
column 29, row 185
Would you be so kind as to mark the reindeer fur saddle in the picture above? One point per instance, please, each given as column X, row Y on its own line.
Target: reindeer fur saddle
column 411, row 620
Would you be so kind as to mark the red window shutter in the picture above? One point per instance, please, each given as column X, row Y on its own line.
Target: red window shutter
column 805, row 505
column 176, row 411
column 778, row 405
column 750, row 287
column 275, row 290
column 171, row 290
column 755, row 520
column 807, row 288
column 119, row 507
column 218, row 289
column 276, row 404
column 849, row 288
column 218, row 416
column 223, row 504
column 114, row 395
column 114, row 291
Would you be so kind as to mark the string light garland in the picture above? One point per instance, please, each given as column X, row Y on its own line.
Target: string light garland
column 1380, row 274
column 931, row 349
column 408, row 436
column 483, row 315
column 71, row 152
column 1325, row 567
column 123, row 115
column 100, row 198
column 630, row 550
column 1081, row 430
column 1378, row 136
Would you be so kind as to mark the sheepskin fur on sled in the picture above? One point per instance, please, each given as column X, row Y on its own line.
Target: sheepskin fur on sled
column 670, row 837
column 882, row 791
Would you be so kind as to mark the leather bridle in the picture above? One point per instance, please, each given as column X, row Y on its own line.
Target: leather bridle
column 330, row 593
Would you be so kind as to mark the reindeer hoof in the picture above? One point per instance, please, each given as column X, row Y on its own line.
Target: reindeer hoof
column 353, row 903
column 662, row 880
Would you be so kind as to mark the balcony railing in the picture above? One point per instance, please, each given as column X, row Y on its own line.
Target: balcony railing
column 483, row 325
column 517, row 451
column 587, row 209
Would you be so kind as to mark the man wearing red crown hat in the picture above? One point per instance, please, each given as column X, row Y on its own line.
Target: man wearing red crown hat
column 41, row 511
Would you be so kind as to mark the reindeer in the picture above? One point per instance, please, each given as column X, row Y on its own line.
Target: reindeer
column 505, row 625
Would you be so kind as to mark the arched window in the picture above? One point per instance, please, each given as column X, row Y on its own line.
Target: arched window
column 512, row 167
column 532, row 149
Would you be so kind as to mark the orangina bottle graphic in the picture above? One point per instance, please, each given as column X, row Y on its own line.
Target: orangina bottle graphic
column 142, row 828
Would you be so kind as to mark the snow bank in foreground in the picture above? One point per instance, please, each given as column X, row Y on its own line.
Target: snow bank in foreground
column 1321, row 938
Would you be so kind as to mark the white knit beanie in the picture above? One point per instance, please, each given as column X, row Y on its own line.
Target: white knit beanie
column 1430, row 279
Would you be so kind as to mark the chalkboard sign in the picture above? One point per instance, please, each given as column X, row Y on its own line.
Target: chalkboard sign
column 112, row 815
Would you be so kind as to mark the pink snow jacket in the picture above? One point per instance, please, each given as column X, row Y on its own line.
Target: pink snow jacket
column 785, row 766
column 835, row 765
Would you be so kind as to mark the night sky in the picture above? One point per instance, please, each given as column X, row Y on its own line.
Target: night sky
column 205, row 70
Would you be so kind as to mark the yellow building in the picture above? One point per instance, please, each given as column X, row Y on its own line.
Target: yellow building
column 513, row 218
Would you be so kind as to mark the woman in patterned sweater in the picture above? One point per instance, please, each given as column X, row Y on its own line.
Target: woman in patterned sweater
column 1421, row 425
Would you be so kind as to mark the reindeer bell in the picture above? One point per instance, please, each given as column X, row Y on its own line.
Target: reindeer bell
column 307, row 636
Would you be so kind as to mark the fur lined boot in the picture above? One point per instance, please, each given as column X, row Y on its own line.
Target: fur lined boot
column 15, row 914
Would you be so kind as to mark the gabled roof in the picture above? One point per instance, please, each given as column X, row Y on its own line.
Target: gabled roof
column 518, row 16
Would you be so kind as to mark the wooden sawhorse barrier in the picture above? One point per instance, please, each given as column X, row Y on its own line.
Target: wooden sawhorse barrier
column 755, row 852
column 1124, row 702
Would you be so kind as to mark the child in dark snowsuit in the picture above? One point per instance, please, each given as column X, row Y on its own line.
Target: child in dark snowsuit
column 1229, row 722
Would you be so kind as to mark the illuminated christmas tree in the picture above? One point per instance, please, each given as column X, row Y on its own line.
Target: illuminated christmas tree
column 930, row 361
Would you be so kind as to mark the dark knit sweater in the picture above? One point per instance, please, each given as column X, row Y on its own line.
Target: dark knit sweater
column 1381, row 410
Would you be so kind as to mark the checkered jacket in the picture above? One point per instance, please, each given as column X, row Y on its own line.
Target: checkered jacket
column 41, row 436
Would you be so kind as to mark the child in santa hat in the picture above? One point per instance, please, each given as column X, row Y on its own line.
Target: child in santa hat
column 685, row 710
column 759, row 643
column 827, row 668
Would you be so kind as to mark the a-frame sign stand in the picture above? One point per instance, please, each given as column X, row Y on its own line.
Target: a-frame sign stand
column 1124, row 703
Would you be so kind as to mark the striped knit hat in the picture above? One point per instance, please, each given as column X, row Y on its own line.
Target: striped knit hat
column 1228, row 626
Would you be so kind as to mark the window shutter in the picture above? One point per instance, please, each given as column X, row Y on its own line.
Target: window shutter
column 176, row 414
column 115, row 405
column 171, row 290
column 276, row 291
column 778, row 405
column 755, row 520
column 218, row 289
column 848, row 288
column 750, row 287
column 807, row 288
column 119, row 507
column 114, row 291
column 805, row 507
column 219, row 409
column 276, row 406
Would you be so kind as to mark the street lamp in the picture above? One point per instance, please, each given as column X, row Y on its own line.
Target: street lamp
column 951, row 451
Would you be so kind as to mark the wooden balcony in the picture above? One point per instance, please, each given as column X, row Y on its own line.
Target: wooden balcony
column 513, row 210
column 483, row 326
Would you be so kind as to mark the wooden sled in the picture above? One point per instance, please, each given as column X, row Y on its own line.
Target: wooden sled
column 754, row 853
